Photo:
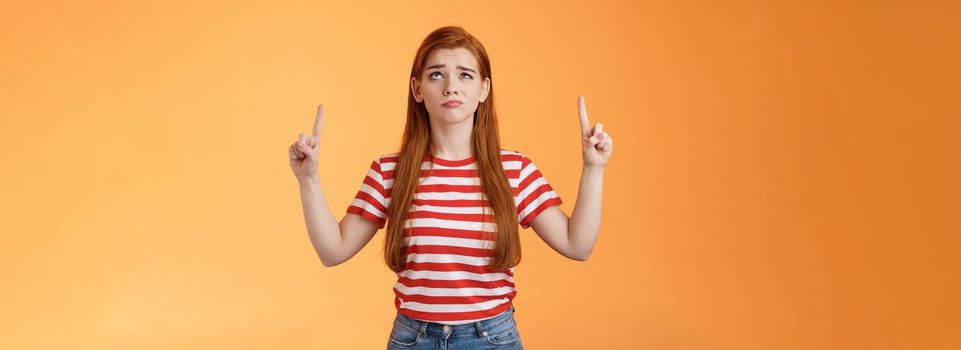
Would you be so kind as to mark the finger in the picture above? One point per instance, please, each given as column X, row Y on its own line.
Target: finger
column 310, row 154
column 312, row 141
column 319, row 122
column 291, row 152
column 301, row 150
column 305, row 151
column 609, row 145
column 295, row 151
column 582, row 114
column 602, row 139
column 593, row 141
column 598, row 128
column 302, row 139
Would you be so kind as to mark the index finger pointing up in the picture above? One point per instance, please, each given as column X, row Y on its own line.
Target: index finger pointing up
column 582, row 113
column 319, row 121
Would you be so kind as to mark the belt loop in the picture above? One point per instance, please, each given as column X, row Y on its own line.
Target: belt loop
column 423, row 328
column 481, row 332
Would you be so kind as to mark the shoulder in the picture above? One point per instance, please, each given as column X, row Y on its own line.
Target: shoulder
column 384, row 162
column 387, row 158
column 513, row 159
column 511, row 155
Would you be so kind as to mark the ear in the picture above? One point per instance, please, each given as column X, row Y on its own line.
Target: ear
column 415, row 89
column 485, row 89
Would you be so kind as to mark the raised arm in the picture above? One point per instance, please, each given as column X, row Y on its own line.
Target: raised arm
column 334, row 242
column 574, row 236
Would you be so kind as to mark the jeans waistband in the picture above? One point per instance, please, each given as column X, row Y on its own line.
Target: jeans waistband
column 480, row 327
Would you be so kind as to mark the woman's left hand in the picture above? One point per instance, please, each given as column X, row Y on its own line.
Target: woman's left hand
column 596, row 144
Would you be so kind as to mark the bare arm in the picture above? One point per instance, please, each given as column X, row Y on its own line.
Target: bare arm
column 574, row 237
column 334, row 242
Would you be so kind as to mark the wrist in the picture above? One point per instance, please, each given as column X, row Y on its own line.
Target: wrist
column 593, row 168
column 307, row 179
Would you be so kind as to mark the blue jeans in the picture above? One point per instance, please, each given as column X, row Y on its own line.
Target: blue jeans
column 499, row 332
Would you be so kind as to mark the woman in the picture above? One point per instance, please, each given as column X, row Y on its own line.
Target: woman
column 452, row 200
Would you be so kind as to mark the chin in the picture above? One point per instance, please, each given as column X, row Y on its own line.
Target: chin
column 454, row 117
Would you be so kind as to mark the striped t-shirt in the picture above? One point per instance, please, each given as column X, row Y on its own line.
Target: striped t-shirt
column 447, row 278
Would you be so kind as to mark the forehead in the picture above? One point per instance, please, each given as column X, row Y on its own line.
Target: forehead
column 452, row 57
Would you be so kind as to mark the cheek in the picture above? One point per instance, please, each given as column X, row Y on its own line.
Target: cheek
column 475, row 90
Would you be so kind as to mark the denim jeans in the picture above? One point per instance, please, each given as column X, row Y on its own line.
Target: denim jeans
column 499, row 332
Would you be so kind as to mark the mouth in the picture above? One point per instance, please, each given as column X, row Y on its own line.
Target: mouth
column 452, row 104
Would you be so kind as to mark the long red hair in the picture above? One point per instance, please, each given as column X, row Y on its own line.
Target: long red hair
column 485, row 144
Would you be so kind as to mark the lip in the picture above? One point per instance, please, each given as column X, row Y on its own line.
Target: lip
column 452, row 104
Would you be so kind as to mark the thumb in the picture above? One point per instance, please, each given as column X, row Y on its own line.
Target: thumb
column 310, row 152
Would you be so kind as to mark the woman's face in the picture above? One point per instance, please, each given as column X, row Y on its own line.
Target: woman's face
column 450, row 76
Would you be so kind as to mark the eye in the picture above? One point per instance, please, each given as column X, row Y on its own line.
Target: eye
column 468, row 75
column 431, row 76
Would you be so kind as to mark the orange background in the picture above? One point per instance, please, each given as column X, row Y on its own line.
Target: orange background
column 785, row 176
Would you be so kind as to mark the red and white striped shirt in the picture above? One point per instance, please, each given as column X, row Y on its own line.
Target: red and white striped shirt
column 447, row 277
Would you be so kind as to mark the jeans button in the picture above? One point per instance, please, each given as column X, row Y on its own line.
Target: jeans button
column 446, row 328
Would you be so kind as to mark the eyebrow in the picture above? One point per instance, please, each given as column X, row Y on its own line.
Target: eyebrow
column 461, row 67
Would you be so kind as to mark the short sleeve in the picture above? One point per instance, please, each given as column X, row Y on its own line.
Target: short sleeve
column 372, row 199
column 534, row 193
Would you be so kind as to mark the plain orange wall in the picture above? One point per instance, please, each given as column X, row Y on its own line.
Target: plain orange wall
column 785, row 175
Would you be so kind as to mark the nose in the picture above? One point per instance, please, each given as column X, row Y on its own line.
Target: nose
column 451, row 88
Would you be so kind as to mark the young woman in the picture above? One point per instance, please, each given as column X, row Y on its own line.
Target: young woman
column 452, row 200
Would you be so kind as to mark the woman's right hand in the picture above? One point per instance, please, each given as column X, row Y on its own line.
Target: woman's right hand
column 304, row 152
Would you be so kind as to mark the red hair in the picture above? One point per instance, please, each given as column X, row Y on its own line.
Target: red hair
column 485, row 144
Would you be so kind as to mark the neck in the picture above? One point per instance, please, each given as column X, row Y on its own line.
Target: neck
column 451, row 141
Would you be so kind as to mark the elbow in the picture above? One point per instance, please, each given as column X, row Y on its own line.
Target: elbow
column 580, row 257
column 330, row 262
column 576, row 253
